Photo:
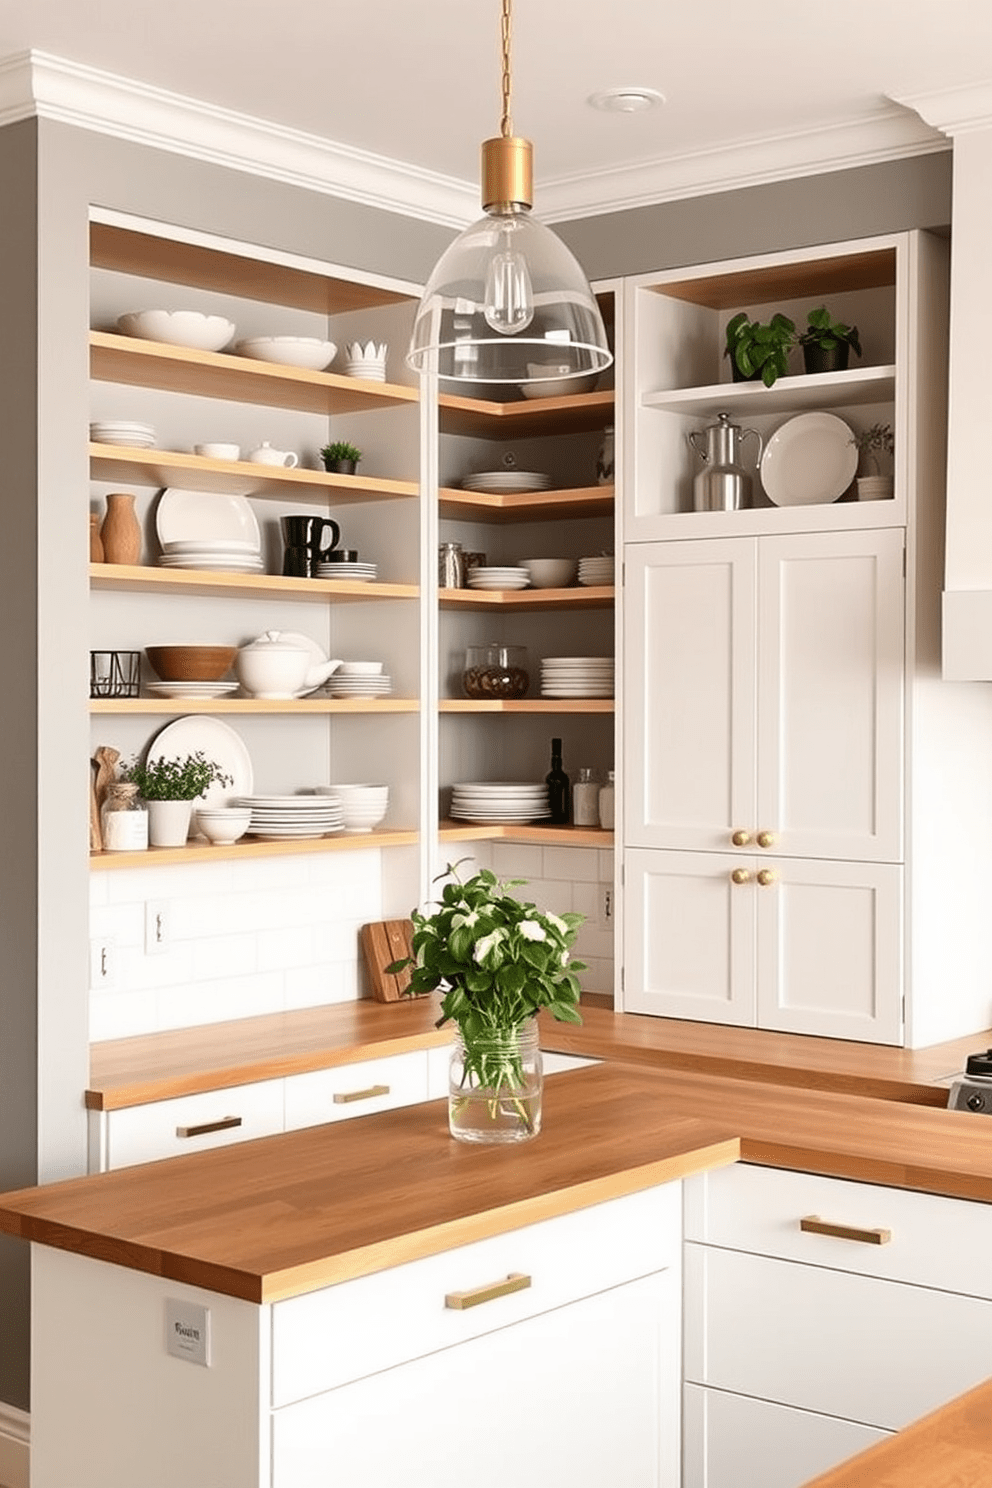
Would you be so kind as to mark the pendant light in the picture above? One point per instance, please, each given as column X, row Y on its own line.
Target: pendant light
column 507, row 303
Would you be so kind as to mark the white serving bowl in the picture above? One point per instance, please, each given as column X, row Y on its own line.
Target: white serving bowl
column 179, row 328
column 292, row 351
column 362, row 806
column 550, row 573
column 223, row 825
column 360, row 668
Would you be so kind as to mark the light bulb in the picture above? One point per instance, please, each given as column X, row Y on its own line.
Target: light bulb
column 508, row 304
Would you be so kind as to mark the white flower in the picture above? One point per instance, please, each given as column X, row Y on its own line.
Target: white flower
column 465, row 919
column 556, row 923
column 486, row 945
column 564, row 958
column 531, row 930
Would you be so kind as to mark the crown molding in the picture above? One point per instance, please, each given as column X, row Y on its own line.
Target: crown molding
column 954, row 110
column 35, row 84
column 891, row 134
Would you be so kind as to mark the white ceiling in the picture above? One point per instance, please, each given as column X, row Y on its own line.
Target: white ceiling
column 416, row 81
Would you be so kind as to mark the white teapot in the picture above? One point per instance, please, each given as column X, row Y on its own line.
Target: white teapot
column 266, row 455
column 280, row 665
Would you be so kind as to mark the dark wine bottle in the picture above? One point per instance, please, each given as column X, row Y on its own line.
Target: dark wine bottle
column 559, row 796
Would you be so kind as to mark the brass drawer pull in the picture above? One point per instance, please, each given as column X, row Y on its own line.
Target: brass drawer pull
column 812, row 1224
column 515, row 1282
column 224, row 1124
column 344, row 1097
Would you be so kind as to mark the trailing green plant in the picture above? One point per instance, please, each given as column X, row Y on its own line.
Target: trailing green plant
column 826, row 333
column 177, row 779
column 874, row 441
column 340, row 450
column 760, row 349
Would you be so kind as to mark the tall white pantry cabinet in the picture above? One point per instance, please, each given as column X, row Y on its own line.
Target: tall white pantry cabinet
column 805, row 809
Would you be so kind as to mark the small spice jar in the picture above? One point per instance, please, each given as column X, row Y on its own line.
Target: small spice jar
column 123, row 819
column 585, row 799
column 607, row 803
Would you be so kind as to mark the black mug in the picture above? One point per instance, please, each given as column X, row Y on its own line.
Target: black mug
column 306, row 534
column 298, row 563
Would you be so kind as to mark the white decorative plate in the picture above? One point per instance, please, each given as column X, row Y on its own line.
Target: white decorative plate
column 218, row 743
column 205, row 516
column 809, row 461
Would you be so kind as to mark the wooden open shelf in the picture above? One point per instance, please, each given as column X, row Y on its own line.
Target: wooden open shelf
column 458, row 831
column 294, row 706
column 730, row 289
column 138, row 579
column 527, row 506
column 527, row 705
column 590, row 597
column 248, row 847
column 149, row 467
column 525, row 418
column 220, row 374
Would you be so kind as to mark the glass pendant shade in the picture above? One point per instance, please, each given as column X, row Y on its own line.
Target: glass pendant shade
column 507, row 303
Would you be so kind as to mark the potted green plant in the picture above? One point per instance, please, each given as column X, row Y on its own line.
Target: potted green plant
column 827, row 343
column 169, row 787
column 499, row 960
column 340, row 458
column 759, row 349
column 872, row 444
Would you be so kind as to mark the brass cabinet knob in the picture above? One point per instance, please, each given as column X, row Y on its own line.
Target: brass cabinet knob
column 766, row 839
column 766, row 877
column 740, row 875
column 741, row 838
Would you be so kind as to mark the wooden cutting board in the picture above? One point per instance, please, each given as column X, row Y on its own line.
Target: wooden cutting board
column 383, row 942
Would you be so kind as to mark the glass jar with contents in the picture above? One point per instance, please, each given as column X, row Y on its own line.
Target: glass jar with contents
column 495, row 671
column 606, row 803
column 585, row 799
column 123, row 820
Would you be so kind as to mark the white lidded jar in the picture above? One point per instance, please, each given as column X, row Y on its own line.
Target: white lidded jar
column 123, row 820
column 607, row 803
column 585, row 799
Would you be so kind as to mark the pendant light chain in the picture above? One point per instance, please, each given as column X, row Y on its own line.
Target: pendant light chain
column 506, row 123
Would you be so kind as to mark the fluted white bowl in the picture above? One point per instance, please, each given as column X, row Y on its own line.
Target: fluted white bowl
column 179, row 328
column 292, row 351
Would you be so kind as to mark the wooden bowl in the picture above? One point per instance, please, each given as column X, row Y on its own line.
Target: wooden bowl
column 190, row 663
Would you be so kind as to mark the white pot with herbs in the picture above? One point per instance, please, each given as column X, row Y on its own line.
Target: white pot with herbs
column 169, row 788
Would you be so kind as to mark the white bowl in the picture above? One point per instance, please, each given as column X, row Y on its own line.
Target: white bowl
column 223, row 825
column 360, row 668
column 291, row 351
column 550, row 573
column 179, row 328
column 559, row 387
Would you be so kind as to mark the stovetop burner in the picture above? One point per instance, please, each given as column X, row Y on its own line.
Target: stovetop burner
column 972, row 1091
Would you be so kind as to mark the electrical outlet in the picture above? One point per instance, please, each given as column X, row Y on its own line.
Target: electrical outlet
column 103, row 962
column 606, row 904
column 158, row 929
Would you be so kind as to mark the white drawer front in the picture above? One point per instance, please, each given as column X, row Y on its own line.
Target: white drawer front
column 326, row 1338
column 355, row 1089
column 935, row 1241
column 733, row 1441
column 191, row 1123
column 873, row 1351
column 439, row 1058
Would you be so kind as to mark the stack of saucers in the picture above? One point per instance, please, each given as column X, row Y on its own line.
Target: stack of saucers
column 191, row 689
column 224, row 555
column 577, row 676
column 506, row 482
column 279, row 818
column 368, row 360
column 492, row 801
column 364, row 573
column 594, row 571
column 123, row 431
column 498, row 578
column 368, row 685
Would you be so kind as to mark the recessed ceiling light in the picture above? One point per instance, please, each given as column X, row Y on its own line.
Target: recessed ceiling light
column 626, row 100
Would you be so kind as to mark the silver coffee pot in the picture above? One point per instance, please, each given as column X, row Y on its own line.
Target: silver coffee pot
column 723, row 484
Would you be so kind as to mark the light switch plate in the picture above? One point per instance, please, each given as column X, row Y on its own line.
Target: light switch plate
column 187, row 1331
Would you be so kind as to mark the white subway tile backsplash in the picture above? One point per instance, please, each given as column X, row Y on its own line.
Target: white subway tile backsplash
column 585, row 900
column 116, row 1015
column 518, row 860
column 278, row 949
column 135, row 970
column 580, row 864
column 224, row 956
column 607, row 865
column 124, row 922
column 220, row 1000
column 316, row 986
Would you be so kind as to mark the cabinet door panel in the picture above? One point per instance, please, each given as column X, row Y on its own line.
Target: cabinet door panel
column 689, row 693
column 829, row 949
column 830, row 694
column 689, row 932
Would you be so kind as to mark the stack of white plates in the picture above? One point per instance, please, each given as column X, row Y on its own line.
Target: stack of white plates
column 369, row 686
column 192, row 689
column 593, row 571
column 282, row 817
column 223, row 557
column 368, row 360
column 206, row 530
column 365, row 573
column 499, row 801
column 577, row 676
column 498, row 578
column 123, row 431
column 499, row 482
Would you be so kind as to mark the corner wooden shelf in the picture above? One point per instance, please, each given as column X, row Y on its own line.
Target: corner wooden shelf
column 140, row 579
column 591, row 597
column 527, row 506
column 527, row 705
column 221, row 374
column 294, row 706
column 152, row 467
column 525, row 418
column 249, row 847
column 460, row 831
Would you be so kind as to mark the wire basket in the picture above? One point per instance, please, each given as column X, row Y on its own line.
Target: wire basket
column 115, row 674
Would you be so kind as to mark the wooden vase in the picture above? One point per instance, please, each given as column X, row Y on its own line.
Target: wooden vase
column 121, row 531
column 96, row 542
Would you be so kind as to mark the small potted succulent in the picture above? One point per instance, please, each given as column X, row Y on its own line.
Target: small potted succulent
column 169, row 787
column 759, row 349
column 340, row 458
column 827, row 343
column 872, row 444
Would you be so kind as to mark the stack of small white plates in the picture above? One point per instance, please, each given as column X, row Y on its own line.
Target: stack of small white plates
column 368, row 360
column 123, row 431
column 224, row 557
column 206, row 530
column 499, row 482
column 498, row 578
column 370, row 685
column 364, row 573
column 577, row 676
column 192, row 689
column 282, row 817
column 499, row 801
column 594, row 571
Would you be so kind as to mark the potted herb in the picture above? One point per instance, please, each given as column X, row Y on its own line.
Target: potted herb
column 759, row 349
column 499, row 960
column 340, row 458
column 872, row 444
column 169, row 787
column 828, row 343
